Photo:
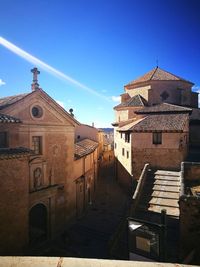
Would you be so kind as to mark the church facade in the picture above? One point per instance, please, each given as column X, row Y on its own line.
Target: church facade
column 38, row 170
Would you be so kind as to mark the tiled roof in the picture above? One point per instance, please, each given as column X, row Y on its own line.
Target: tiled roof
column 163, row 122
column 8, row 119
column 7, row 101
column 135, row 101
column 157, row 74
column 128, row 126
column 84, row 147
column 164, row 108
column 9, row 153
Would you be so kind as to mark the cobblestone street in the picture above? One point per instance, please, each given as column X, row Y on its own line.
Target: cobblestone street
column 91, row 235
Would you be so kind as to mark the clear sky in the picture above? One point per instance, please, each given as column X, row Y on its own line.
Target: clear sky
column 102, row 44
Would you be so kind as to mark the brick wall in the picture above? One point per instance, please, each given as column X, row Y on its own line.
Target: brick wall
column 14, row 202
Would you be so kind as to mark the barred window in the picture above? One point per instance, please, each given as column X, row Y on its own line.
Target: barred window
column 37, row 144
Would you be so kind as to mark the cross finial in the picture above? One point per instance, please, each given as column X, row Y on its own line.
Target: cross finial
column 35, row 84
column 157, row 63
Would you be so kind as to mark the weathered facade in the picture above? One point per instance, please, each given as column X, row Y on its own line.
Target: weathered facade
column 85, row 173
column 37, row 169
column 154, row 123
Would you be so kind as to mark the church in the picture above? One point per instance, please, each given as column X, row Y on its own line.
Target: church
column 47, row 176
column 157, row 122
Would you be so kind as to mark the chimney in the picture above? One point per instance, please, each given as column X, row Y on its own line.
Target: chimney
column 125, row 97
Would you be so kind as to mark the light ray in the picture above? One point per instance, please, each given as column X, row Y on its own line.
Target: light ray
column 34, row 60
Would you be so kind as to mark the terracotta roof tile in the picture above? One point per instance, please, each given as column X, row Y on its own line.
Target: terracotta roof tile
column 84, row 147
column 128, row 126
column 7, row 101
column 157, row 74
column 9, row 153
column 164, row 108
column 163, row 122
column 135, row 101
column 8, row 119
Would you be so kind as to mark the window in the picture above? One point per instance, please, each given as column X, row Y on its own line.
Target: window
column 115, row 145
column 127, row 154
column 157, row 138
column 121, row 135
column 122, row 151
column 127, row 137
column 37, row 111
column 37, row 144
column 3, row 139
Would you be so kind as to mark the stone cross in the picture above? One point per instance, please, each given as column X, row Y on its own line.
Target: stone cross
column 35, row 72
column 35, row 84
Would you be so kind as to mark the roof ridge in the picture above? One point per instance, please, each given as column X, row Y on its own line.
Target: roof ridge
column 141, row 99
column 153, row 73
column 180, row 78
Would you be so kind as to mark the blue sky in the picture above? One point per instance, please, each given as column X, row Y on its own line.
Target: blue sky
column 103, row 44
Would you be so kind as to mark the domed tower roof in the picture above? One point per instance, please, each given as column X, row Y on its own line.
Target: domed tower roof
column 157, row 74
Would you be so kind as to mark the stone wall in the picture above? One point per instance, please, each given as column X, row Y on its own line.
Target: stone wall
column 152, row 90
column 189, row 225
column 158, row 158
column 167, row 155
column 191, row 171
column 190, row 211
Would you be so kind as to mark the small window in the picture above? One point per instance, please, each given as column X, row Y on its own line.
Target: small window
column 121, row 135
column 127, row 154
column 127, row 137
column 37, row 111
column 3, row 139
column 122, row 151
column 37, row 144
column 157, row 138
column 115, row 145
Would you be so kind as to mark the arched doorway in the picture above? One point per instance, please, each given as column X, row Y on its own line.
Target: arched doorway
column 38, row 224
